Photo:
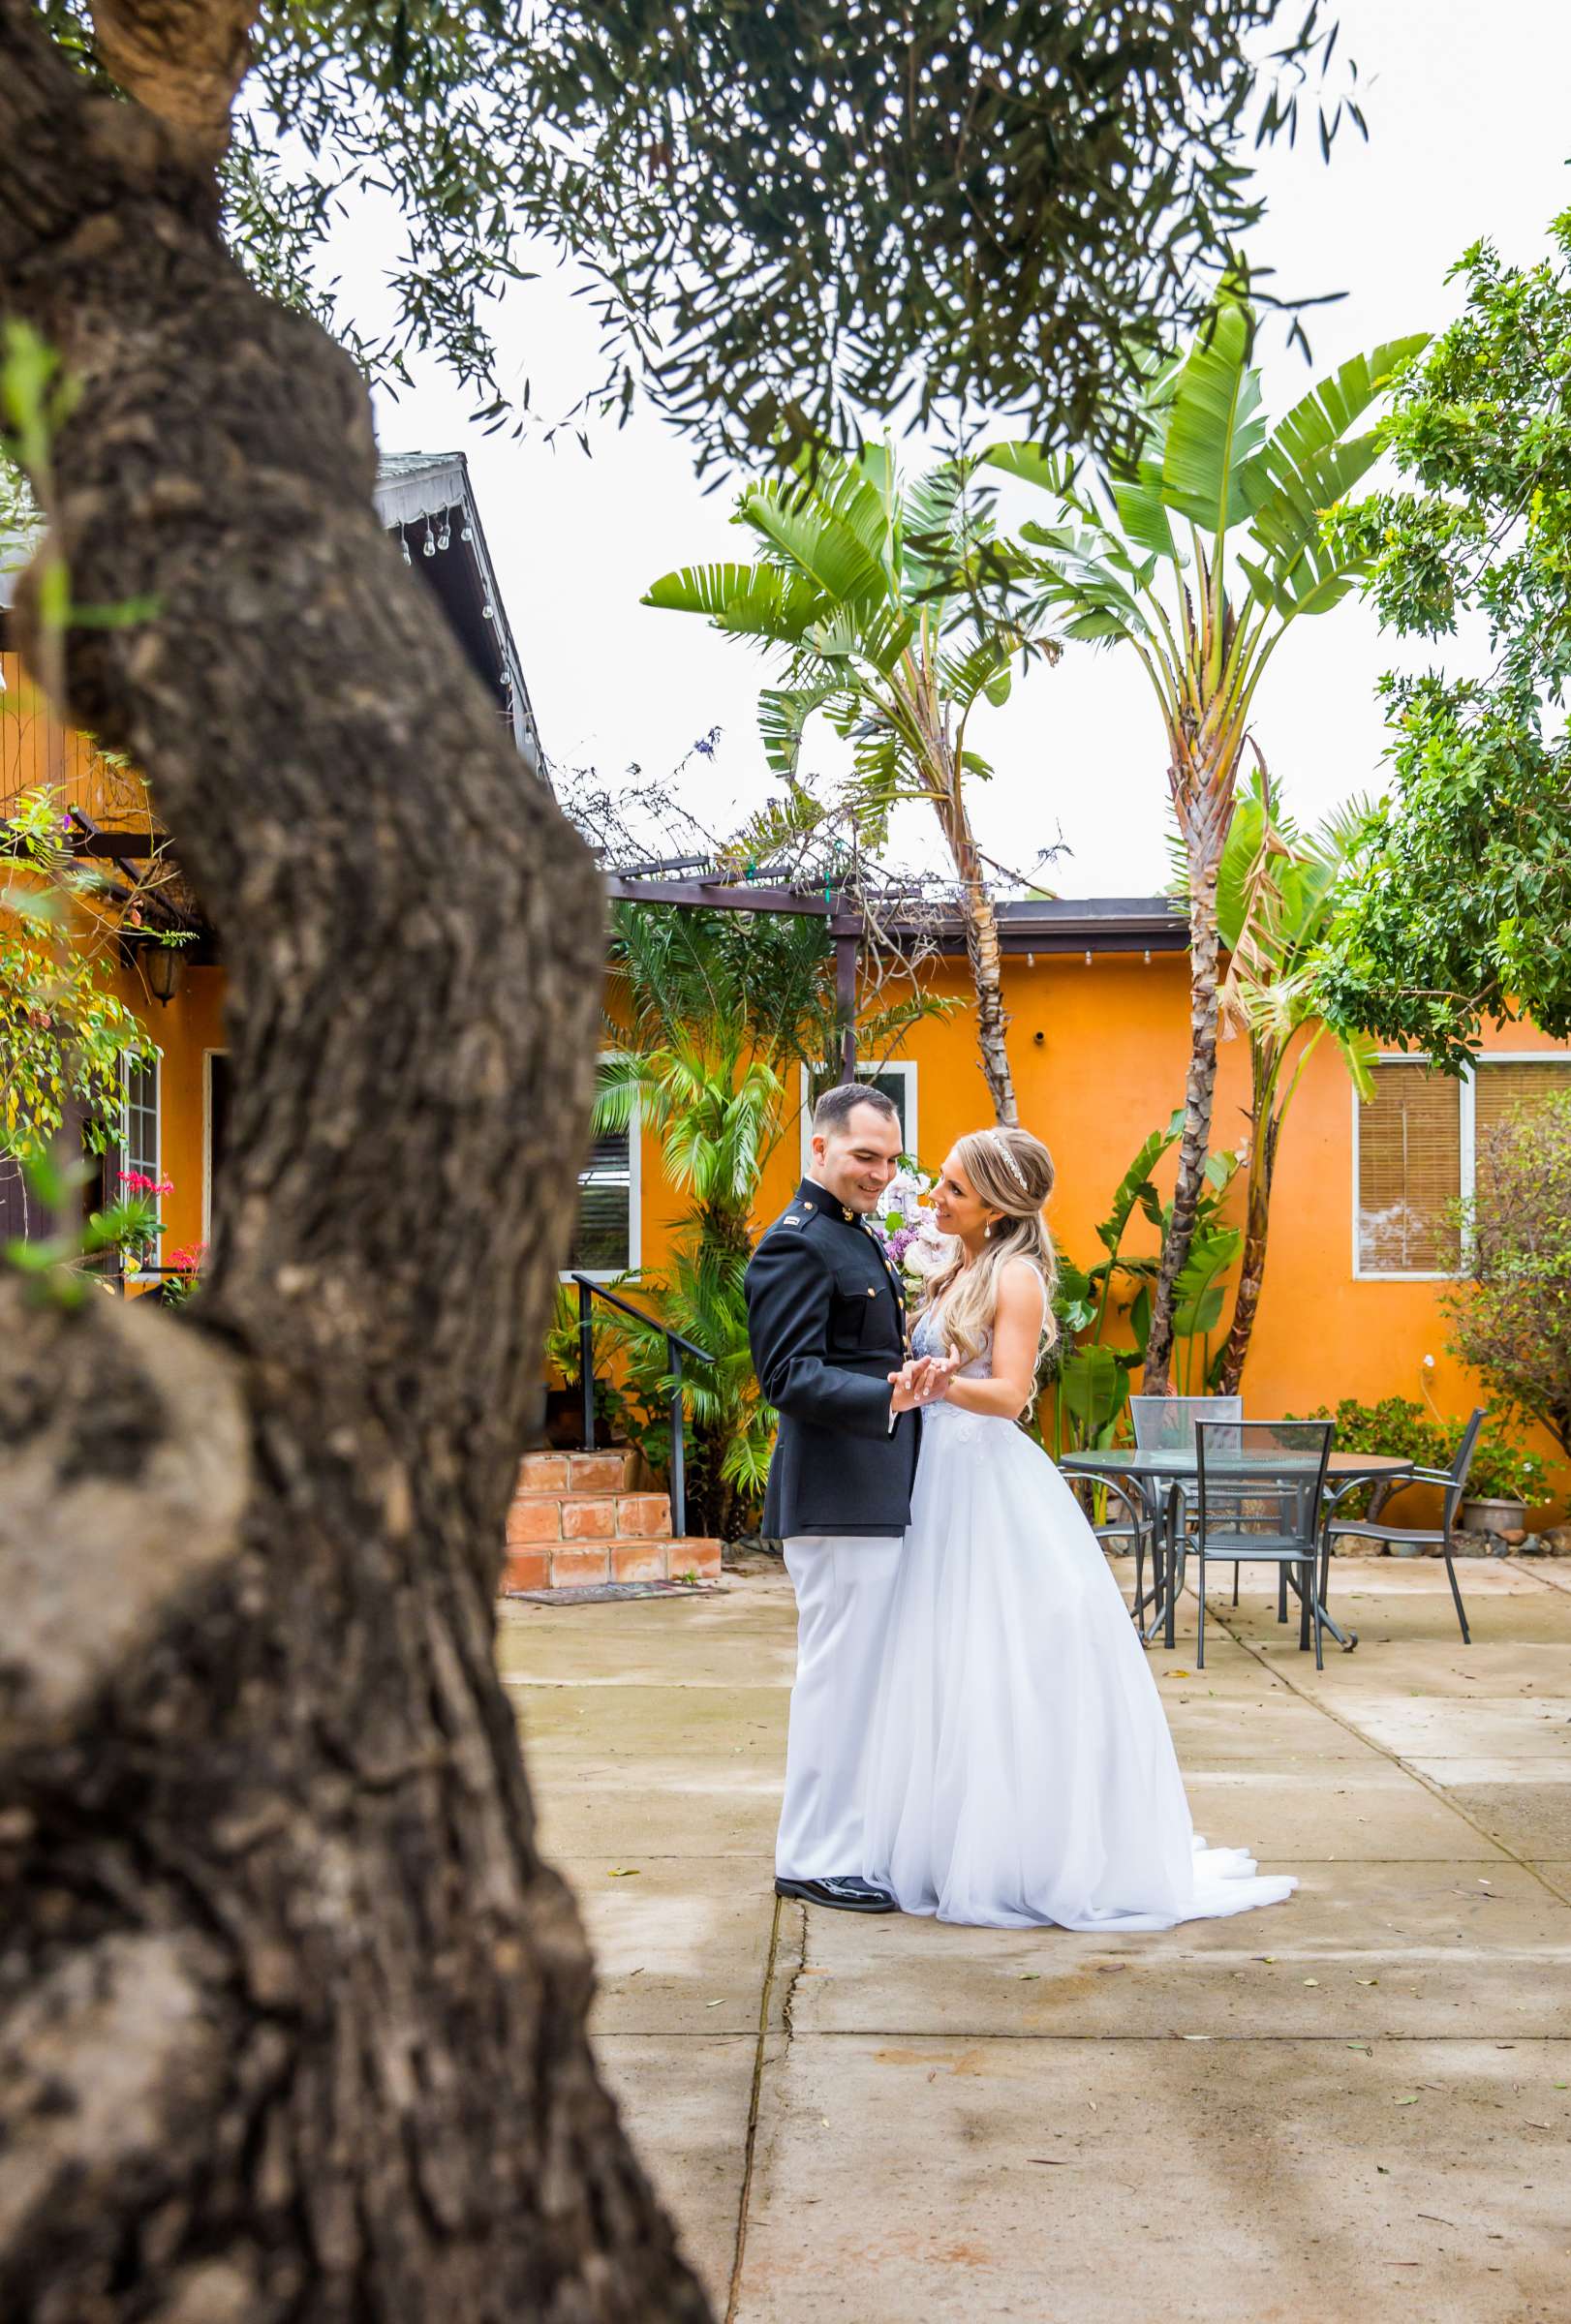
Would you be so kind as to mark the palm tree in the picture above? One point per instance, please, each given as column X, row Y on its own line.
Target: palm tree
column 1142, row 560
column 857, row 591
column 1274, row 907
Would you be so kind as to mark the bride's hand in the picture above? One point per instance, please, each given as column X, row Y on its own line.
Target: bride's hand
column 922, row 1381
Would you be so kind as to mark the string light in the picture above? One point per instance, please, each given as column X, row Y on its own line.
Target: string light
column 430, row 548
column 445, row 536
column 403, row 542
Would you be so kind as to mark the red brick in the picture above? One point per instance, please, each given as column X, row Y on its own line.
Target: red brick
column 533, row 1520
column 543, row 1473
column 643, row 1515
column 527, row 1570
column 600, row 1472
column 640, row 1561
column 574, row 1569
column 691, row 1553
column 585, row 1521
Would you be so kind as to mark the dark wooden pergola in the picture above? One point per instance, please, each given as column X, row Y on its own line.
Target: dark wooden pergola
column 1030, row 925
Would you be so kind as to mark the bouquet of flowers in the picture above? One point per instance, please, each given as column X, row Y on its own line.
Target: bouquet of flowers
column 908, row 1232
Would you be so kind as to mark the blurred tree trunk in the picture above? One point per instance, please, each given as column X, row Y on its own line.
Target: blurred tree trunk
column 291, row 2014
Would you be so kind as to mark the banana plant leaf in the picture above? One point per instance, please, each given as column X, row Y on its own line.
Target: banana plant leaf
column 1094, row 1389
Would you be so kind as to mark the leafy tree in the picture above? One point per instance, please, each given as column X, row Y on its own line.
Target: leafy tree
column 858, row 591
column 1510, row 1315
column 792, row 215
column 270, row 1839
column 1198, row 557
column 1274, row 905
column 1457, row 907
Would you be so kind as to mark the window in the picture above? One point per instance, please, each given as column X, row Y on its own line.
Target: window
column 605, row 1238
column 1415, row 1148
column 898, row 1082
column 139, row 1142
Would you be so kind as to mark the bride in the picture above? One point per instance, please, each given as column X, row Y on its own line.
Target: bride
column 1020, row 1770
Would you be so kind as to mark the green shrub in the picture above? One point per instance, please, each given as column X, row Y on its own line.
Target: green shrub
column 1502, row 1466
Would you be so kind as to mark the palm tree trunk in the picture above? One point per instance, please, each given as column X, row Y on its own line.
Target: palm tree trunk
column 1199, row 1093
column 1265, row 1126
column 982, row 949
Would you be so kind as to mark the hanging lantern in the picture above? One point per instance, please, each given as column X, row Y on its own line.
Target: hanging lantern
column 165, row 972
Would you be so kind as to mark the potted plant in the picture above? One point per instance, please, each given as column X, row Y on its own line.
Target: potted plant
column 1504, row 1481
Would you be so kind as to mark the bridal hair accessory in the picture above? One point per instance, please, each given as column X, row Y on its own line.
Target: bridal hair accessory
column 1001, row 1147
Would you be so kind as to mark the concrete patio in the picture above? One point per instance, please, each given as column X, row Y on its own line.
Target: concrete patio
column 1350, row 2107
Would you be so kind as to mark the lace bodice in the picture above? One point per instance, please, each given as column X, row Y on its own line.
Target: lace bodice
column 928, row 1340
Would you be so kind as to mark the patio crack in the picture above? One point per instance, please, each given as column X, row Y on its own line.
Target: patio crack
column 755, row 2101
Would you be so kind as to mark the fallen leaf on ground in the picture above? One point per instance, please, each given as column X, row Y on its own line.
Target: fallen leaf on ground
column 1408, row 2101
column 1311, row 1981
column 624, row 1872
column 1028, row 1977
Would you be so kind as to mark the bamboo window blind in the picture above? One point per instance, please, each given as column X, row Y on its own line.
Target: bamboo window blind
column 1505, row 1084
column 1409, row 1169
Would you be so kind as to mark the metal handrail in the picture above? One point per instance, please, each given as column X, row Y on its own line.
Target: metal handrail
column 676, row 1346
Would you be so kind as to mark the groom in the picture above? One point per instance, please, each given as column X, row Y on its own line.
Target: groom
column 826, row 1321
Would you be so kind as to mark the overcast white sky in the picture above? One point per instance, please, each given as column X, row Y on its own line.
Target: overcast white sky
column 1469, row 133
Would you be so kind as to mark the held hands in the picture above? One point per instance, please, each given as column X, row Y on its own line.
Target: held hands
column 922, row 1381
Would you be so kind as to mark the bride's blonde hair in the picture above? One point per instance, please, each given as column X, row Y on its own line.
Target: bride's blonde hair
column 1012, row 1172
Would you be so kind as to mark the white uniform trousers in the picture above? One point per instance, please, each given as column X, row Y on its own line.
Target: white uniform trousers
column 844, row 1586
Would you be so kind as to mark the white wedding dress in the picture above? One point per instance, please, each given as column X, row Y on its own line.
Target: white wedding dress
column 1020, row 1770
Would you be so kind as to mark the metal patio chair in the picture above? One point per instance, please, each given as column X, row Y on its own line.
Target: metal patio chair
column 1167, row 1423
column 1375, row 1528
column 1258, row 1490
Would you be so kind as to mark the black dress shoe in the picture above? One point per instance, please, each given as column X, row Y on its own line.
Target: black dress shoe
column 846, row 1892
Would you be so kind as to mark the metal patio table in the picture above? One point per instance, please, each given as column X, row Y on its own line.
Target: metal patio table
column 1155, row 1474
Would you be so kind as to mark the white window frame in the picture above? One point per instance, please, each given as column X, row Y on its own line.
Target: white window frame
column 636, row 1211
column 207, row 1056
column 1467, row 1147
column 128, row 1066
column 905, row 1067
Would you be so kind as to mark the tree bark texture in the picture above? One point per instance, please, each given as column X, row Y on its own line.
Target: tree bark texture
column 1265, row 1128
column 291, row 2014
column 1204, row 833
column 982, row 949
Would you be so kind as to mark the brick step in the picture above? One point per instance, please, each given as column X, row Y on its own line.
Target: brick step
column 579, row 1565
column 611, row 1472
column 536, row 1517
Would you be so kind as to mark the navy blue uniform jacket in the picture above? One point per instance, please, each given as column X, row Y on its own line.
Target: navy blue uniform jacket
column 826, row 1321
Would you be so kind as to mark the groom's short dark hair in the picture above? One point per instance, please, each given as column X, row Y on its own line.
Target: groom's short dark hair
column 836, row 1106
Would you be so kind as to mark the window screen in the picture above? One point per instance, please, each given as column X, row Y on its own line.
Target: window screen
column 603, row 1238
column 1409, row 1171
